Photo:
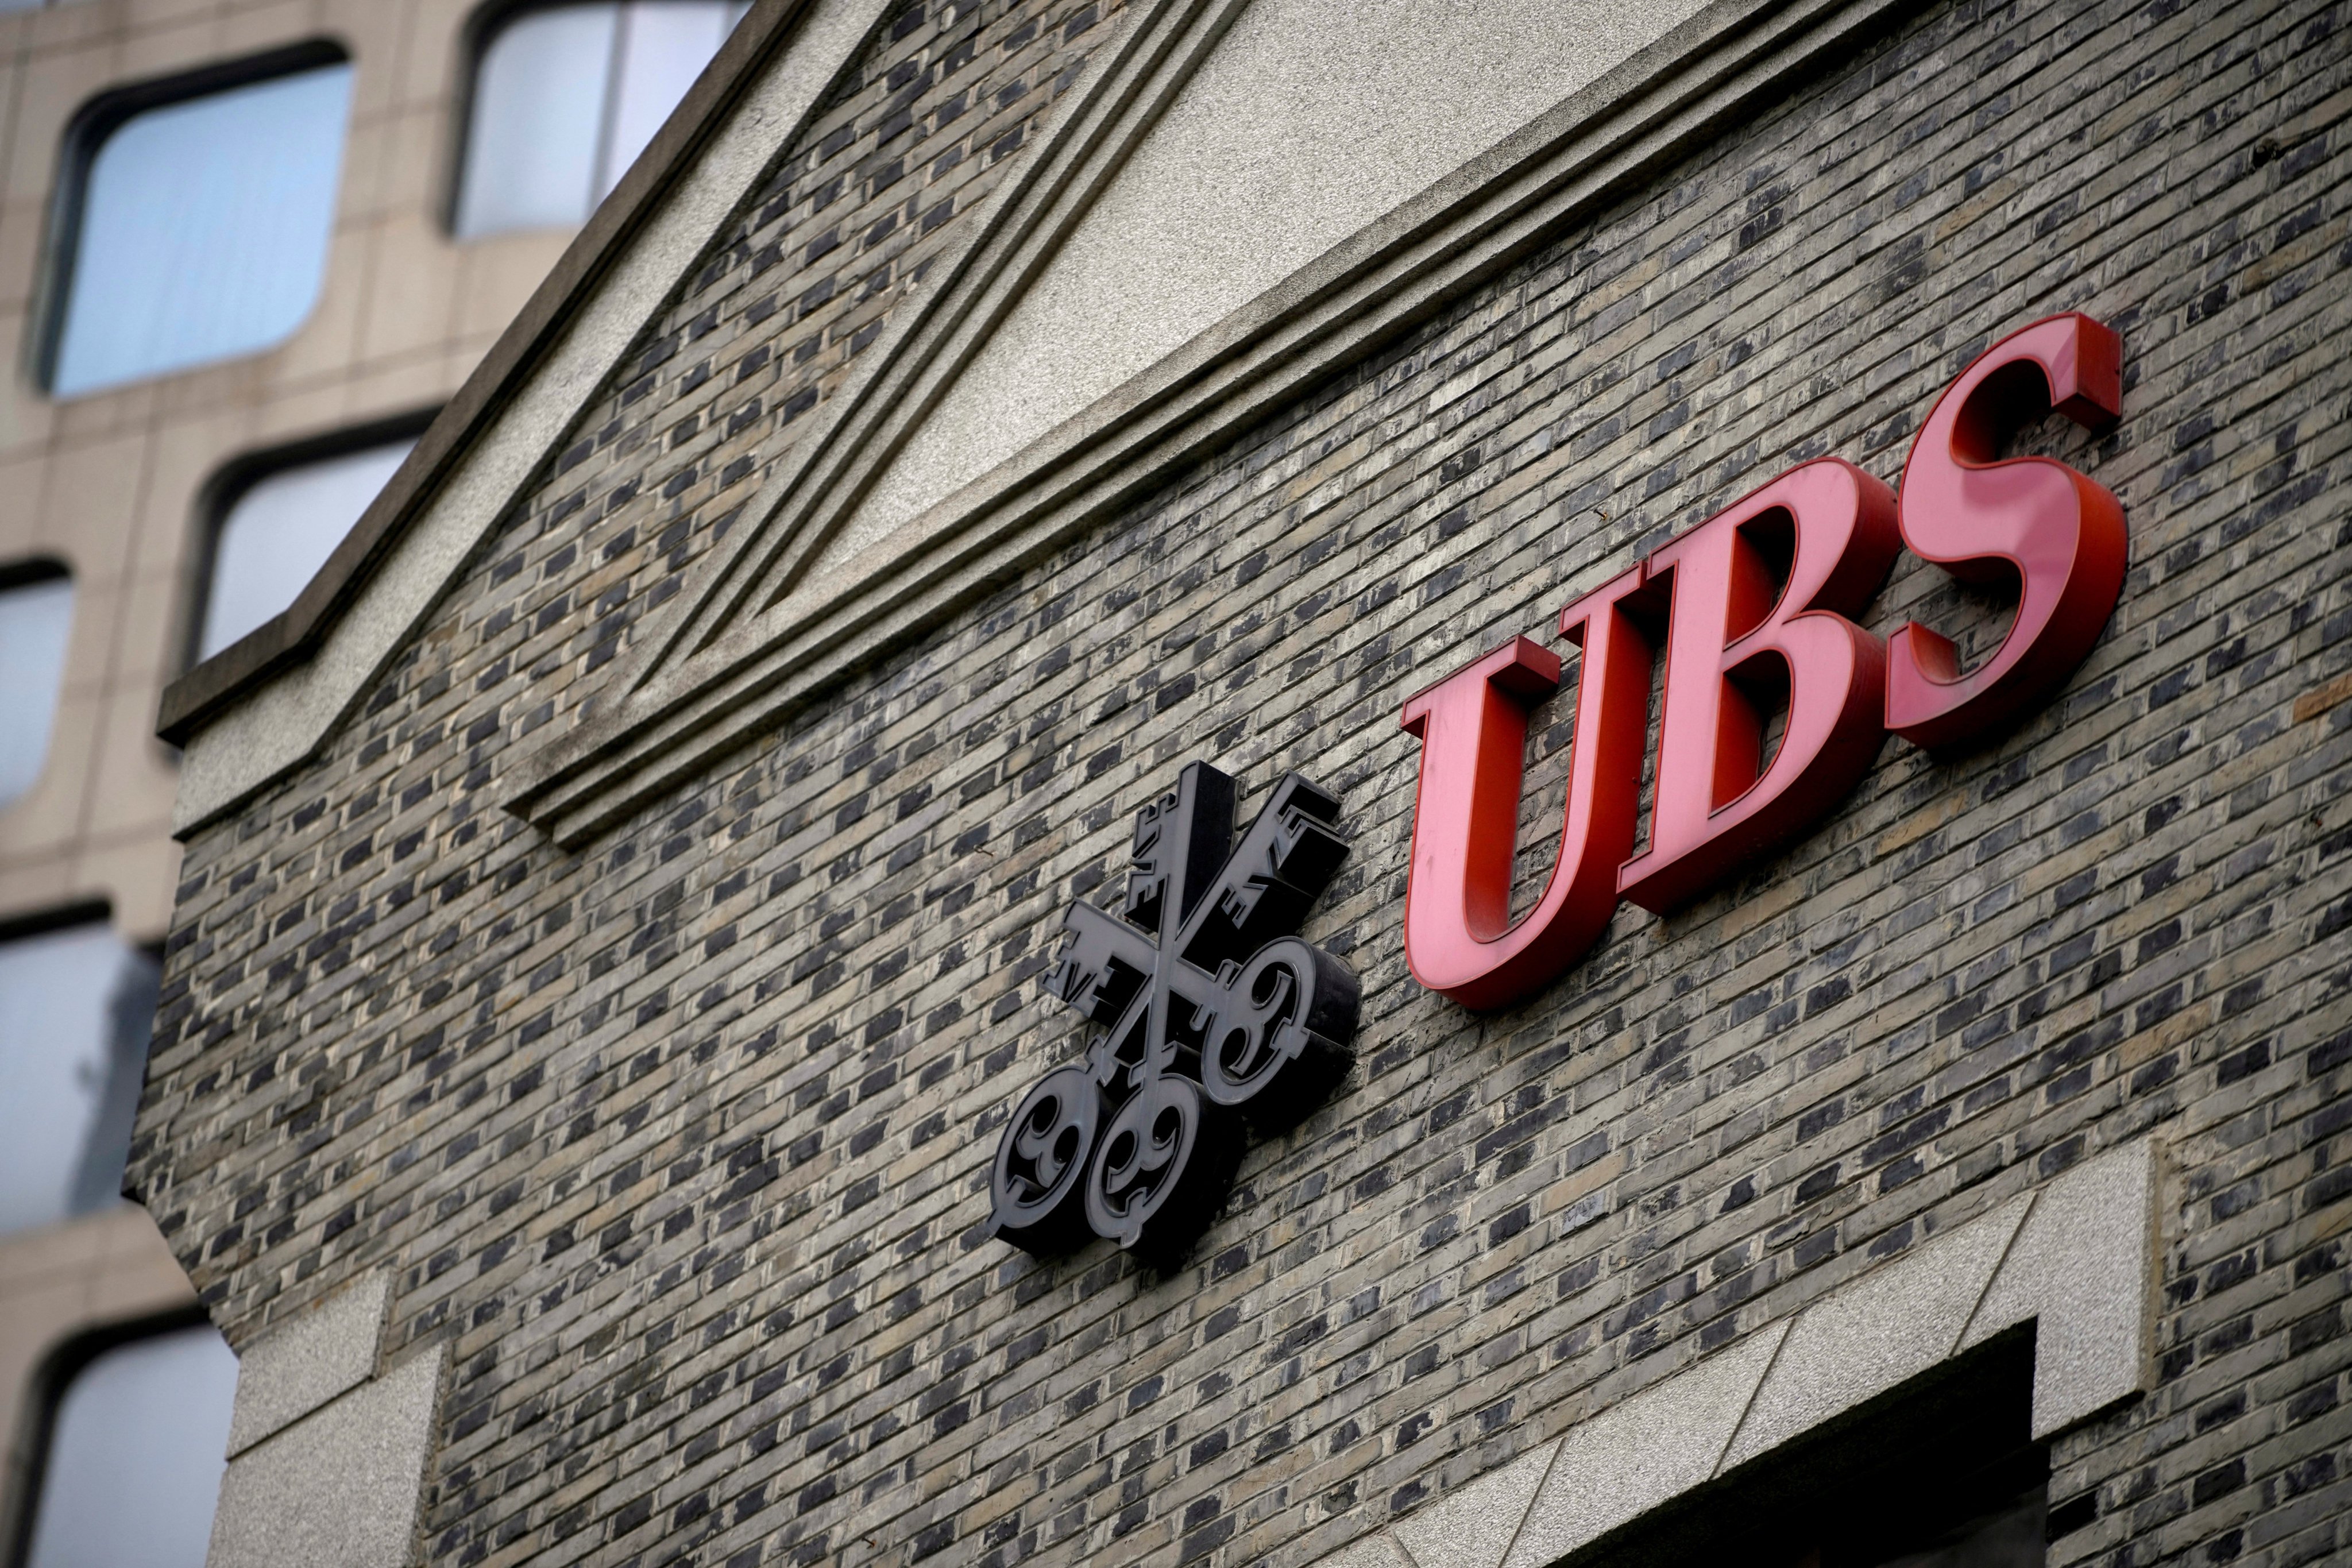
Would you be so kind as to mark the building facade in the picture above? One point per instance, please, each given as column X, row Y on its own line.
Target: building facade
column 237, row 284
column 671, row 917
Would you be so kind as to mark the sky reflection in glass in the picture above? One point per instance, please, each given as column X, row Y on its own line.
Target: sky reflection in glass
column 76, row 1008
column 36, row 619
column 134, row 1460
column 567, row 96
column 279, row 533
column 203, row 230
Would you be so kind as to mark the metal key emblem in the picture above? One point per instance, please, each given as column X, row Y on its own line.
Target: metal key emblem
column 1215, row 1015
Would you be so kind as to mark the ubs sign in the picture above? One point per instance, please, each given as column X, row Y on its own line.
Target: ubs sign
column 1216, row 1013
column 1737, row 638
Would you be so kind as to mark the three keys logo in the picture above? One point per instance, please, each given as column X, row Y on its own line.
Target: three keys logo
column 1216, row 1014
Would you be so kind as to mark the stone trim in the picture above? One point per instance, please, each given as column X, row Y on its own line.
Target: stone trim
column 296, row 1368
column 2077, row 1258
column 264, row 704
column 772, row 620
column 203, row 691
column 327, row 1457
column 805, row 503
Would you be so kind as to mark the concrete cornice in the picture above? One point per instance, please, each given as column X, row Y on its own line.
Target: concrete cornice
column 768, row 624
column 2077, row 1259
column 480, row 454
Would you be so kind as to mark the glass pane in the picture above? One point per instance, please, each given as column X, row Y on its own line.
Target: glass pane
column 2010, row 1539
column 34, row 621
column 664, row 44
column 135, row 1461
column 280, row 531
column 203, row 230
column 76, row 1008
column 539, row 102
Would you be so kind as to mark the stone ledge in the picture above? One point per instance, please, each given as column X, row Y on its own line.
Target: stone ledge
column 718, row 668
column 341, row 1487
column 2077, row 1258
column 298, row 1366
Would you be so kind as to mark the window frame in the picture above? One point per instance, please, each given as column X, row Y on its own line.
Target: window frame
column 227, row 484
column 45, row 1396
column 47, row 921
column 475, row 36
column 78, row 148
column 479, row 30
column 28, row 571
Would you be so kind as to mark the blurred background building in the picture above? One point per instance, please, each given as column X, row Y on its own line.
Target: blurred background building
column 246, row 248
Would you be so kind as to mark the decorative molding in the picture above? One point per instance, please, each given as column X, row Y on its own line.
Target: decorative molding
column 805, row 502
column 265, row 704
column 803, row 506
column 2077, row 1258
column 774, row 617
column 772, row 620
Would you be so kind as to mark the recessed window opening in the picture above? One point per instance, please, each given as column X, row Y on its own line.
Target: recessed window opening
column 132, row 1465
column 565, row 97
column 77, row 1003
column 36, row 619
column 276, row 521
column 194, row 219
column 1942, row 1472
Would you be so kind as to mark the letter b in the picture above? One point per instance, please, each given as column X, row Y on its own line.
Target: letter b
column 1734, row 647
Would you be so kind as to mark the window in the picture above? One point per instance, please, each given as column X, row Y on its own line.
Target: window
column 35, row 614
column 565, row 97
column 196, row 228
column 279, row 530
column 133, row 1462
column 1939, row 1472
column 76, row 1006
column 2010, row 1535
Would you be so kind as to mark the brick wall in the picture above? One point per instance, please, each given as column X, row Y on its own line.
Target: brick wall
column 681, row 1142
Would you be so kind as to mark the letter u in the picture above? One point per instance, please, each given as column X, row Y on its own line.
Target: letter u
column 1458, row 936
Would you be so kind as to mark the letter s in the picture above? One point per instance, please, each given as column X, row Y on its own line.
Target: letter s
column 2061, row 533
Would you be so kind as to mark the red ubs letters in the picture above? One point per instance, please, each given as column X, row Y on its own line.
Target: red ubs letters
column 1738, row 645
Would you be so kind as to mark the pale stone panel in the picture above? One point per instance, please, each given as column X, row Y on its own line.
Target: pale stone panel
column 1888, row 1326
column 1372, row 1551
column 1472, row 1527
column 341, row 1488
column 1309, row 120
column 1636, row 1455
column 2084, row 1268
column 295, row 1369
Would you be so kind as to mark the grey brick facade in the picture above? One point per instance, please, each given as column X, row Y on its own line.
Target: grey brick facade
column 678, row 1143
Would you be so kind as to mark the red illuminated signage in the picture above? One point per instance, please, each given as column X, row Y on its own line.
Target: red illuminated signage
column 1752, row 611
